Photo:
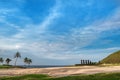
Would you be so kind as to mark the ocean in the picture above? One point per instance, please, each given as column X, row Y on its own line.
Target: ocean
column 42, row 66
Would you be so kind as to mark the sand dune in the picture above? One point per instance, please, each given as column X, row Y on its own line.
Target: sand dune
column 60, row 71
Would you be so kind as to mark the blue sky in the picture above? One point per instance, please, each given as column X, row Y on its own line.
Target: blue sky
column 59, row 31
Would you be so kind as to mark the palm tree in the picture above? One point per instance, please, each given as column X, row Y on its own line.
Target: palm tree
column 25, row 60
column 1, row 60
column 17, row 55
column 29, row 61
column 8, row 61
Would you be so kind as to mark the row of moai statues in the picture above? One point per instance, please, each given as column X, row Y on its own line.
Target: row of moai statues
column 86, row 62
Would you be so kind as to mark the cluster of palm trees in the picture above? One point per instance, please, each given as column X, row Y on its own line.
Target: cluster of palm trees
column 16, row 56
column 27, row 61
column 7, row 61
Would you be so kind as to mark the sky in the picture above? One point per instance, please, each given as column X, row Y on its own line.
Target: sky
column 59, row 32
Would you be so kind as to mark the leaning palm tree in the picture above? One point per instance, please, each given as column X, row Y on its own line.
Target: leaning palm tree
column 17, row 55
column 8, row 61
column 1, row 60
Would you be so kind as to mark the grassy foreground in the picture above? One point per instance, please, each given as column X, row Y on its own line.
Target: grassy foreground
column 110, row 76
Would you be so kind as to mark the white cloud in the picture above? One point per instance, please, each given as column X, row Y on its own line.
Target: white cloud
column 7, row 14
column 42, row 26
column 53, row 14
column 88, row 34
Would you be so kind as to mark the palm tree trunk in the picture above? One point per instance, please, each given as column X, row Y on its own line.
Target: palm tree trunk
column 15, row 61
column 2, row 63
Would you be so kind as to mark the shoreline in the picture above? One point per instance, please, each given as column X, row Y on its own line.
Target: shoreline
column 60, row 71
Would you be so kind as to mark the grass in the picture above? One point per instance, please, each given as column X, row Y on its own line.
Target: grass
column 5, row 66
column 105, row 76
column 113, row 58
column 9, row 66
column 26, row 77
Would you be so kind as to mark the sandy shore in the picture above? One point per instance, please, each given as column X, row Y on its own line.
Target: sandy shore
column 60, row 71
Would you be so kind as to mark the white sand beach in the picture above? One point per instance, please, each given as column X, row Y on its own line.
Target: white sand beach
column 60, row 71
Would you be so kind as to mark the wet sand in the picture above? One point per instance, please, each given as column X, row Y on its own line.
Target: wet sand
column 60, row 71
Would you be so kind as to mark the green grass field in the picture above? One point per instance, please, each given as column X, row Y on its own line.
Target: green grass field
column 5, row 67
column 110, row 76
column 9, row 66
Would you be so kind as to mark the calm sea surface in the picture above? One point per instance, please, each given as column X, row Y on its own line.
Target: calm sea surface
column 42, row 66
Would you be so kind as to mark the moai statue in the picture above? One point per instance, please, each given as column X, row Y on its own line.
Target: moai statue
column 85, row 61
column 88, row 62
column 81, row 61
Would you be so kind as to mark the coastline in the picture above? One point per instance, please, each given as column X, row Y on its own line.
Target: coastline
column 60, row 71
